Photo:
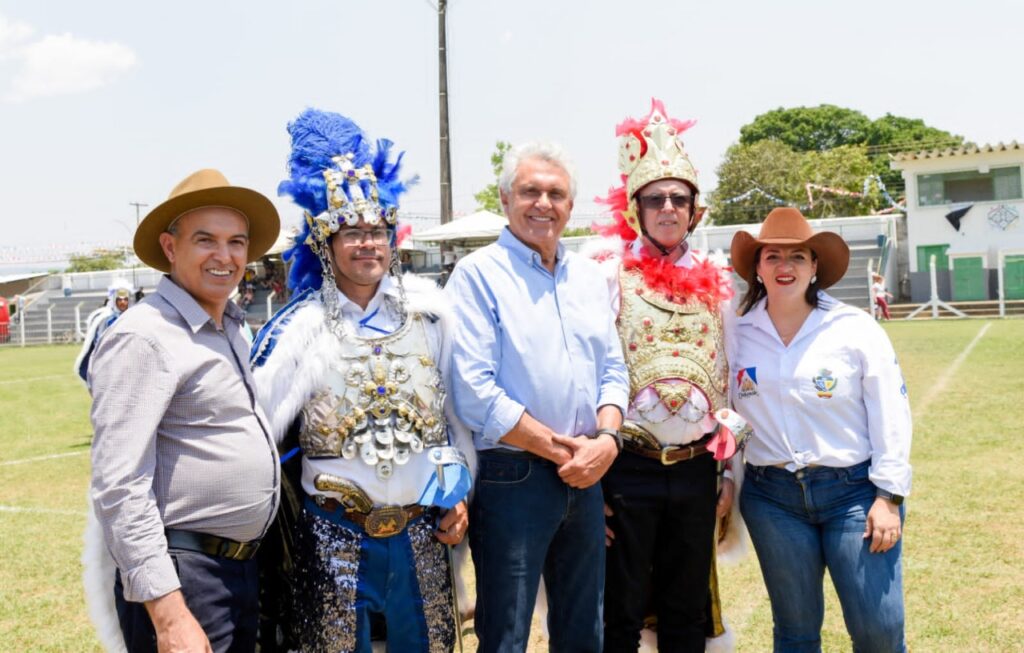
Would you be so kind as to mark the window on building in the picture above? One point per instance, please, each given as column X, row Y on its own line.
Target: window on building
column 998, row 184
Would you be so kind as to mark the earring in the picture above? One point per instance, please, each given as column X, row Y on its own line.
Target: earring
column 759, row 279
column 814, row 278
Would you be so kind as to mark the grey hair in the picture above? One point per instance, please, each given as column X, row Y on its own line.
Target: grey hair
column 545, row 151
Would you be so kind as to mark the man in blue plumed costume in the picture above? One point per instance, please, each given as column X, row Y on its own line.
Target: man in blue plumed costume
column 356, row 367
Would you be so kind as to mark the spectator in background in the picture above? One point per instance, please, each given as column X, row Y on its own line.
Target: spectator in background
column 882, row 296
column 118, row 299
column 247, row 289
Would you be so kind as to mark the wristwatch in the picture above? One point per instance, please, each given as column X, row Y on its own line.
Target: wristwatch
column 612, row 432
column 897, row 499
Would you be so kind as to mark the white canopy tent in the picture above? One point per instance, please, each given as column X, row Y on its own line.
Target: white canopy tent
column 474, row 230
column 284, row 241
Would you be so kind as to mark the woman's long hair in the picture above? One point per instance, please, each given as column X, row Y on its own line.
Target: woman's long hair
column 756, row 289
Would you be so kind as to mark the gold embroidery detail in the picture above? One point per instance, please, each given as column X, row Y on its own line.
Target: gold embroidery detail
column 662, row 339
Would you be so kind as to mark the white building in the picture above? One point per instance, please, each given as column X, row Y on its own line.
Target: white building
column 985, row 256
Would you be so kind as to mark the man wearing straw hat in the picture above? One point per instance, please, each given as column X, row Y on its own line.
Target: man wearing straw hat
column 184, row 471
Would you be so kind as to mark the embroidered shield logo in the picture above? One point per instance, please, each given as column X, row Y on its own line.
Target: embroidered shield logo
column 825, row 383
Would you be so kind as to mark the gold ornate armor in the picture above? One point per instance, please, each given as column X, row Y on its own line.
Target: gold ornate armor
column 664, row 340
column 382, row 401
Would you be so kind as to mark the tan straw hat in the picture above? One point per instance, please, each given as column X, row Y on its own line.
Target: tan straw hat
column 207, row 187
column 787, row 226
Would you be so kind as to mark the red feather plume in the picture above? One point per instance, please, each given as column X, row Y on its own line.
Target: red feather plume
column 404, row 231
column 705, row 281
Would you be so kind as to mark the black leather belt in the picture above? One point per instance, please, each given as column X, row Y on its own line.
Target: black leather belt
column 212, row 545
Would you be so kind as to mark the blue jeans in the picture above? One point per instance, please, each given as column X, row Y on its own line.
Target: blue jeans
column 524, row 523
column 804, row 522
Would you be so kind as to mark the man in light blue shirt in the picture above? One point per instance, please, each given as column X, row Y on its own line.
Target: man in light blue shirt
column 538, row 376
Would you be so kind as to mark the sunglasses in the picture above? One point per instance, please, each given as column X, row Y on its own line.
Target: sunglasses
column 655, row 202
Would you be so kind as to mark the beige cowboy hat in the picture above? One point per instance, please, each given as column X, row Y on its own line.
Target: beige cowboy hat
column 787, row 226
column 207, row 187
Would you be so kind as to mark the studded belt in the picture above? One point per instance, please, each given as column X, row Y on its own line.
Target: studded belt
column 380, row 521
column 668, row 455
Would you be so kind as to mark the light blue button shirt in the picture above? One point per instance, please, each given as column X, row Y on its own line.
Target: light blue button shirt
column 527, row 339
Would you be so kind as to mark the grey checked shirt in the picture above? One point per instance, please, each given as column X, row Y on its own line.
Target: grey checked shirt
column 179, row 440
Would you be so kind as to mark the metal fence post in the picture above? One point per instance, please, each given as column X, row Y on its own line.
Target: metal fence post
column 1002, row 297
column 79, row 336
column 49, row 324
column 270, row 310
column 871, row 289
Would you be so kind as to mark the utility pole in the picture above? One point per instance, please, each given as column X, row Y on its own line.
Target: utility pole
column 442, row 66
column 137, row 205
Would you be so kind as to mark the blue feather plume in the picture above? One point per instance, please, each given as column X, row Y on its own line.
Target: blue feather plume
column 318, row 137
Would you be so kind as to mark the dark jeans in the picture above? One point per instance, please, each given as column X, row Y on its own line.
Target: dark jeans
column 222, row 595
column 524, row 523
column 806, row 521
column 660, row 559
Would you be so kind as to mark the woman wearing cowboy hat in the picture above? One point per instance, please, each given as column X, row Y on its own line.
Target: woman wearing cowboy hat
column 828, row 465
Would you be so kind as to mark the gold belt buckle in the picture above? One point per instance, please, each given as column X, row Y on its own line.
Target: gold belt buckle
column 664, row 455
column 385, row 521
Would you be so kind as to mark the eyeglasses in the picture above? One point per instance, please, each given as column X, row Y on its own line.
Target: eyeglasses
column 655, row 202
column 354, row 237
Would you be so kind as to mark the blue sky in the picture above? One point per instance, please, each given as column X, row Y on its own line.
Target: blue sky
column 108, row 102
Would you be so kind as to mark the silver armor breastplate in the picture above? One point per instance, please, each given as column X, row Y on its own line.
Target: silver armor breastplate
column 382, row 401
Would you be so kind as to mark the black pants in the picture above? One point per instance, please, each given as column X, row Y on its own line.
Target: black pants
column 222, row 595
column 660, row 560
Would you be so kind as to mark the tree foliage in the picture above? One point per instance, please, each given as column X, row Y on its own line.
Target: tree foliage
column 807, row 129
column 577, row 231
column 783, row 150
column 767, row 168
column 781, row 176
column 97, row 259
column 489, row 198
column 890, row 134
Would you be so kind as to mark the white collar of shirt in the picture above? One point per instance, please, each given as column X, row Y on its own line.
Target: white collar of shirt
column 355, row 312
column 684, row 261
column 758, row 317
column 510, row 241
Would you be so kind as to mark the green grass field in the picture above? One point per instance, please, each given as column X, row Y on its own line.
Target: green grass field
column 963, row 548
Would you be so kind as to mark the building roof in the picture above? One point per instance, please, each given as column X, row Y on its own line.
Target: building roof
column 966, row 148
